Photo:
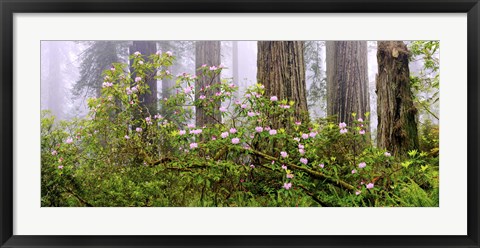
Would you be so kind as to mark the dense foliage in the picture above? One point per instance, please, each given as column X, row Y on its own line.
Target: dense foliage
column 256, row 155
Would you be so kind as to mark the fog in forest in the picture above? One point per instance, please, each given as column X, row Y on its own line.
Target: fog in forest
column 66, row 66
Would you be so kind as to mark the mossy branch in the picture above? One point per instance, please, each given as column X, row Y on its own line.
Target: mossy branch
column 312, row 173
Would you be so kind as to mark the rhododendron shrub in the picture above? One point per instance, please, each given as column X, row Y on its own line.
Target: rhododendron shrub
column 256, row 154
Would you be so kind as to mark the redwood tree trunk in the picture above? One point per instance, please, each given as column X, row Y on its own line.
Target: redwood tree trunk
column 149, row 100
column 397, row 126
column 206, row 52
column 281, row 69
column 347, row 80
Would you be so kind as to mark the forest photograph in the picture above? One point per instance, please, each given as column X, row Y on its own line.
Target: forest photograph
column 208, row 123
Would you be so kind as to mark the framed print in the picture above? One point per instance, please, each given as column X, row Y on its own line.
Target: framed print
column 240, row 123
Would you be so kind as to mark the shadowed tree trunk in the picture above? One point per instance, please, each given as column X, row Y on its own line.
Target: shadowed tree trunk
column 206, row 52
column 149, row 100
column 281, row 69
column 397, row 127
column 347, row 80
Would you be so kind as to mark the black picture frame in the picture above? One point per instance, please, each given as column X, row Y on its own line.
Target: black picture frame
column 9, row 7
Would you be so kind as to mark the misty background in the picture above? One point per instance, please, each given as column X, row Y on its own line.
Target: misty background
column 70, row 68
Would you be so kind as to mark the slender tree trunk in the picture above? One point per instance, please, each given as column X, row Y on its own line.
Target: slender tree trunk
column 347, row 80
column 281, row 69
column 206, row 52
column 397, row 126
column 55, row 82
column 149, row 100
column 236, row 79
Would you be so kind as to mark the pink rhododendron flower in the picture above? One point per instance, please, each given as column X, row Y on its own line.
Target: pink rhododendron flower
column 296, row 139
column 289, row 175
column 235, row 141
column 370, row 186
column 251, row 114
column 387, row 154
column 196, row 131
column 248, row 95
column 360, row 120
column 60, row 167
column 273, row 132
column 321, row 165
column 224, row 135
column 191, row 125
column 138, row 79
column 267, row 128
column 304, row 136
column 362, row 132
column 140, row 62
column 273, row 162
column 182, row 132
column 138, row 129
column 213, row 68
column 202, row 97
column 284, row 154
column 148, row 120
column 135, row 89
column 287, row 186
column 193, row 145
column 243, row 106
column 137, row 53
column 313, row 134
column 223, row 109
column 159, row 52
column 107, row 84
column 252, row 166
column 358, row 192
column 362, row 165
column 112, row 68
column 233, row 130
column 301, row 151
column 343, row 130
column 284, row 167
column 214, row 138
column 187, row 90
column 300, row 146
column 261, row 86
column 298, row 123
column 169, row 53
column 303, row 160
column 69, row 141
column 54, row 153
column 342, row 125
column 127, row 137
column 273, row 98
column 128, row 90
column 259, row 129
column 354, row 171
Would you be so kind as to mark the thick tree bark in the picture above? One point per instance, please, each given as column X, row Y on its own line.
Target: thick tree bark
column 149, row 100
column 397, row 127
column 347, row 80
column 281, row 69
column 206, row 52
